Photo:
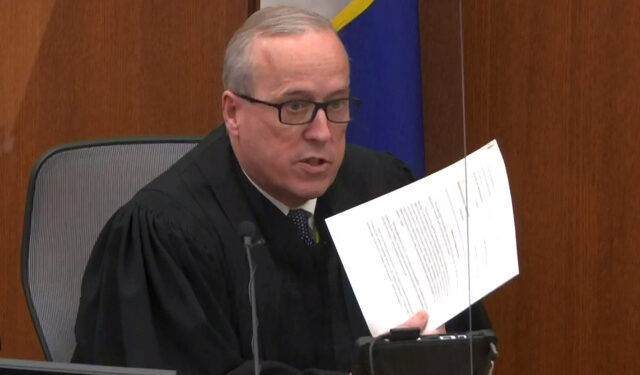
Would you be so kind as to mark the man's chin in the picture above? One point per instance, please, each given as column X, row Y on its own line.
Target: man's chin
column 303, row 195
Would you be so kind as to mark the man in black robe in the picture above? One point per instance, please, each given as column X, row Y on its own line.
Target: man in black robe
column 167, row 283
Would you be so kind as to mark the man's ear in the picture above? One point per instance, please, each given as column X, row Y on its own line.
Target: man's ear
column 230, row 112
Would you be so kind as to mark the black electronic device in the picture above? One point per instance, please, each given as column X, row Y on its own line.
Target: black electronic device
column 405, row 352
column 9, row 366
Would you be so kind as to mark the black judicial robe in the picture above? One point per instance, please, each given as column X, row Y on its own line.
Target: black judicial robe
column 167, row 283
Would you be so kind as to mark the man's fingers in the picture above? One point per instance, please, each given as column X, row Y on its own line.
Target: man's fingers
column 440, row 330
column 419, row 320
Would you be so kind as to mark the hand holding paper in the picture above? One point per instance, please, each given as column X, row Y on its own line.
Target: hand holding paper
column 422, row 247
column 419, row 320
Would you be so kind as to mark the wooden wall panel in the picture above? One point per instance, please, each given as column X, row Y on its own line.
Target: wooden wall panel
column 72, row 70
column 442, row 83
column 557, row 84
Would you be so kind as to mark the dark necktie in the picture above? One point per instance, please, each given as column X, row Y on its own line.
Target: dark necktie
column 300, row 219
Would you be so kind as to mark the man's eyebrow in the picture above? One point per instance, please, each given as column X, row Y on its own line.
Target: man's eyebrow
column 307, row 95
column 342, row 91
column 297, row 93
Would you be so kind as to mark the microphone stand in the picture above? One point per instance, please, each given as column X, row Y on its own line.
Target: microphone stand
column 247, row 231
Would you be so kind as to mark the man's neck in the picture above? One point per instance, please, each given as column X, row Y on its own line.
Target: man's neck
column 309, row 206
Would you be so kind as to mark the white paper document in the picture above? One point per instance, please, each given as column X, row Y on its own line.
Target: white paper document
column 422, row 247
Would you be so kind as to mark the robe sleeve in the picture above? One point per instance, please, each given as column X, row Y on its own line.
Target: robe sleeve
column 154, row 295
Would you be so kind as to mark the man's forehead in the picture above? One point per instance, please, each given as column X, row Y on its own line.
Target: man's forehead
column 269, row 43
column 290, row 62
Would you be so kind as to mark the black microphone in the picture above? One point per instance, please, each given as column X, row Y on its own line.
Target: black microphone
column 247, row 231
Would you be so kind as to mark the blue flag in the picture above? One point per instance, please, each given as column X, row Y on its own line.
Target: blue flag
column 384, row 48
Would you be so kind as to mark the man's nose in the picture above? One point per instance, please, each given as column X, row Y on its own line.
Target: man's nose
column 318, row 129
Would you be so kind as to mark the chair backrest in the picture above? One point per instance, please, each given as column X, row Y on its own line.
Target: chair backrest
column 73, row 191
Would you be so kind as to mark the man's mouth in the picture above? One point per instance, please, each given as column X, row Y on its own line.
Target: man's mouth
column 314, row 161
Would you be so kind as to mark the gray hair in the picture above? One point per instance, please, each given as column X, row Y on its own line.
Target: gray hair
column 271, row 21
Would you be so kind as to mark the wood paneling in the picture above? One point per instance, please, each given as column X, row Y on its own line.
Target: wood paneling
column 72, row 70
column 557, row 84
column 442, row 83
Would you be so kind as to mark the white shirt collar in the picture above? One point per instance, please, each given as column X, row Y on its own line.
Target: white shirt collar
column 309, row 206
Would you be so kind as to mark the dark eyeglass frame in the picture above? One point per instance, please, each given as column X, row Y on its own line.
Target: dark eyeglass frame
column 316, row 106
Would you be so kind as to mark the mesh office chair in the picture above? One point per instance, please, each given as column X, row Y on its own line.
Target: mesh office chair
column 73, row 191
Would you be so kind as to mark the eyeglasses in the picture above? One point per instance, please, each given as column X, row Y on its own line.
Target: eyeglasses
column 299, row 112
